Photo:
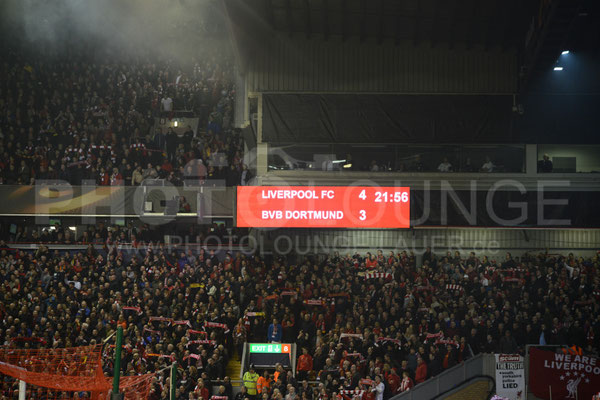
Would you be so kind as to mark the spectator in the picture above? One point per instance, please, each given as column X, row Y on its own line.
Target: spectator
column 445, row 166
column 150, row 172
column 103, row 177
column 275, row 332
column 245, row 175
column 451, row 357
column 306, row 392
column 545, row 164
column 373, row 167
column 171, row 142
column 222, row 392
column 227, row 388
column 378, row 388
column 434, row 367
column 468, row 166
column 393, row 381
column 137, row 176
column 24, row 174
column 490, row 345
column 242, row 394
column 412, row 359
column 407, row 382
column 279, row 375
column 305, row 364
column 421, row 373
column 404, row 368
column 487, row 166
column 184, row 206
column 417, row 165
column 233, row 176
column 201, row 390
column 239, row 336
column 127, row 174
column 291, row 393
column 507, row 345
column 116, row 179
column 166, row 104
column 188, row 135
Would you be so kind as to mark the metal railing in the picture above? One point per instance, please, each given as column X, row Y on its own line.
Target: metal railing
column 394, row 157
column 482, row 364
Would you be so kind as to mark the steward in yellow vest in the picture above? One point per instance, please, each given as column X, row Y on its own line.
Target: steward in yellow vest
column 250, row 378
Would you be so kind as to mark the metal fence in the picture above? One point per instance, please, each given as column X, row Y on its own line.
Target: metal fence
column 482, row 364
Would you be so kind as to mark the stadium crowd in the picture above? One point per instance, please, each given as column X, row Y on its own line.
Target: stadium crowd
column 79, row 120
column 366, row 325
column 104, row 236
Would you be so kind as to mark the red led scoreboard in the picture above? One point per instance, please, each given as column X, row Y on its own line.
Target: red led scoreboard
column 323, row 207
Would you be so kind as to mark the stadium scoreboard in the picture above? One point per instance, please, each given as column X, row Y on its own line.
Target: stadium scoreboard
column 323, row 207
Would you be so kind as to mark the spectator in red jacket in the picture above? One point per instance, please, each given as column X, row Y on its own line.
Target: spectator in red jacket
column 393, row 381
column 421, row 373
column 201, row 390
column 370, row 261
column 305, row 364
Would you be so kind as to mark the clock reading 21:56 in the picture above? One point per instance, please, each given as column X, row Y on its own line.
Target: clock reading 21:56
column 387, row 197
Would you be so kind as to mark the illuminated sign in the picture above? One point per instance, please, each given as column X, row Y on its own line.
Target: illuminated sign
column 323, row 207
column 270, row 348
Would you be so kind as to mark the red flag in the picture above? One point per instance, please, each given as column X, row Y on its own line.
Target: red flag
column 569, row 375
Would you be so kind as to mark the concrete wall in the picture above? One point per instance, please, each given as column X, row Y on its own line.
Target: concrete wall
column 484, row 241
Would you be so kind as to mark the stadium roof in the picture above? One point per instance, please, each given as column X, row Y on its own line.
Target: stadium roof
column 538, row 29
column 469, row 22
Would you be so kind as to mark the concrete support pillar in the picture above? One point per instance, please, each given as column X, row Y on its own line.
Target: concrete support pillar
column 531, row 159
column 262, row 155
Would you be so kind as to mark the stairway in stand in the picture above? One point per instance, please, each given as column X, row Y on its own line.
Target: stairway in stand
column 233, row 369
